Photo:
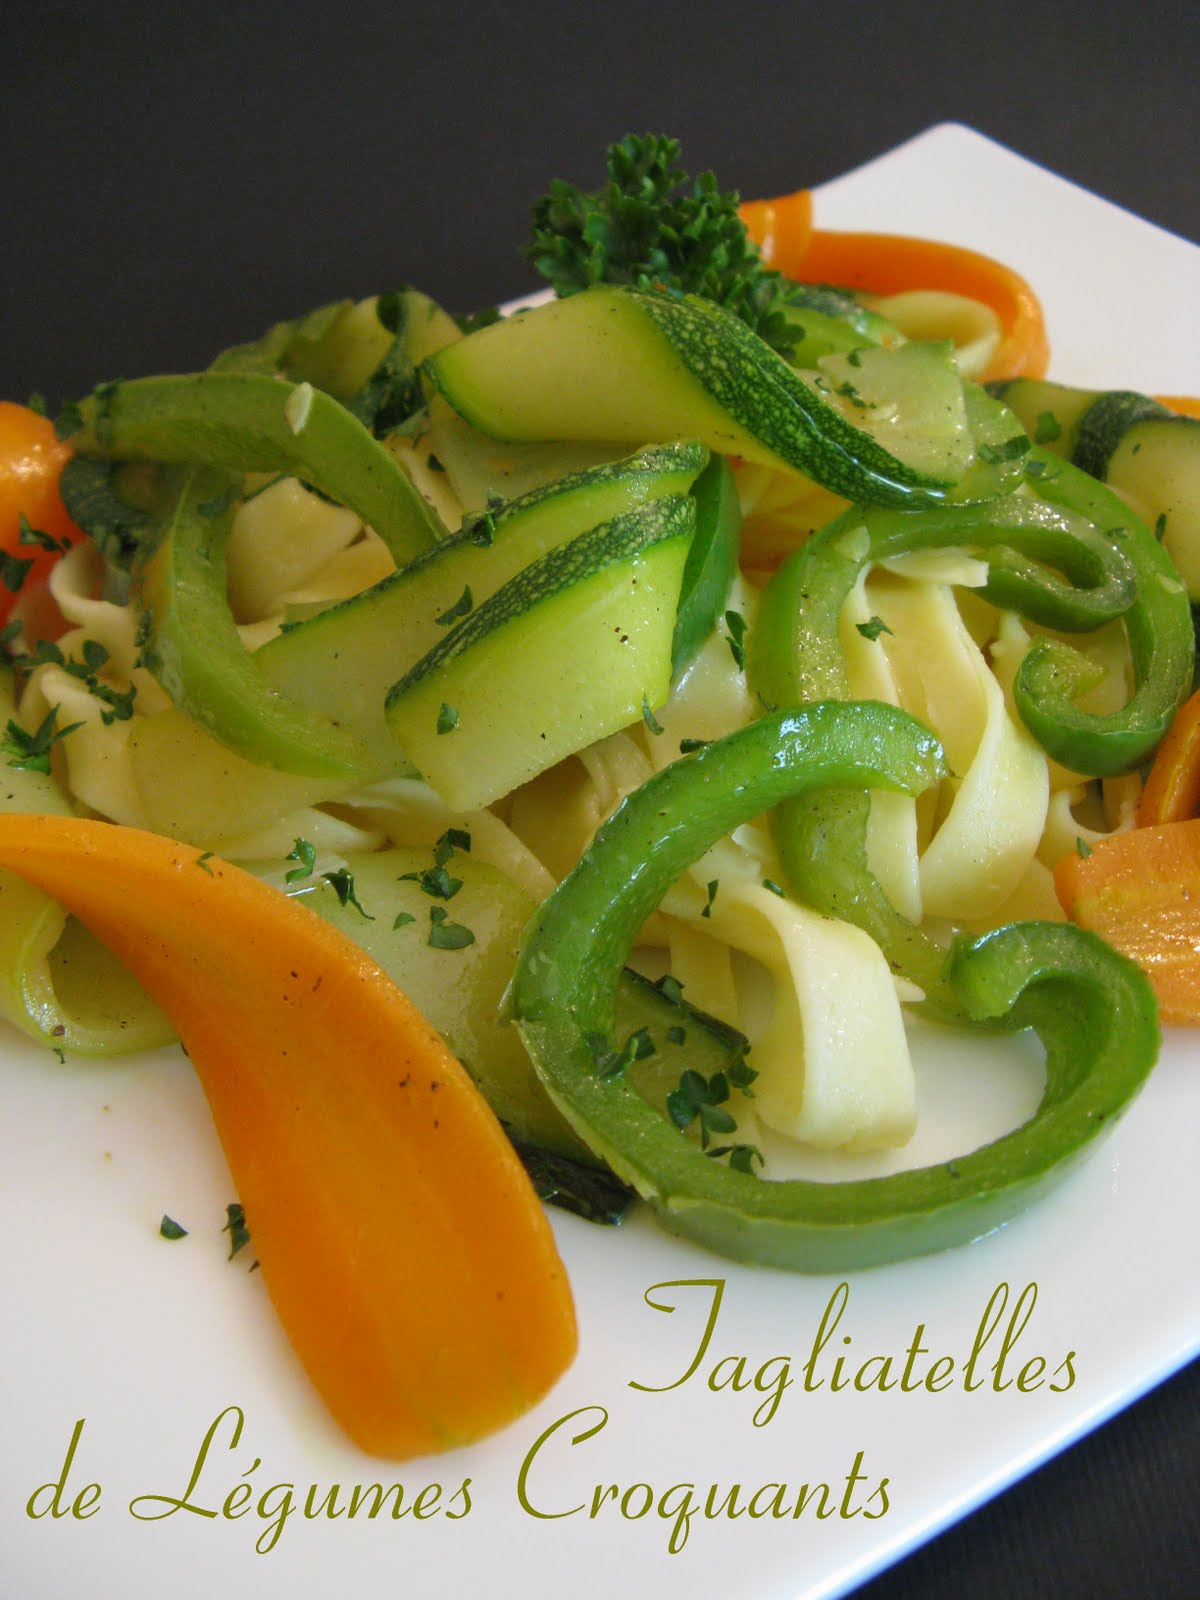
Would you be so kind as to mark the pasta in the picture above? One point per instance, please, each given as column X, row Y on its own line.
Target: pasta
column 817, row 997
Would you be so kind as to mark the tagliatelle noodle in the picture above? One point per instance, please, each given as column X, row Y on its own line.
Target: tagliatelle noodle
column 193, row 788
column 410, row 812
column 57, row 983
column 833, row 1064
column 892, row 820
column 971, row 326
column 995, row 807
column 95, row 755
column 281, row 536
column 331, row 837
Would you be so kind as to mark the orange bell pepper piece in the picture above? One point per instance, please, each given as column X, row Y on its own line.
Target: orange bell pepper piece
column 781, row 228
column 1141, row 892
column 1172, row 789
column 882, row 263
column 32, row 457
column 1186, row 405
column 402, row 1244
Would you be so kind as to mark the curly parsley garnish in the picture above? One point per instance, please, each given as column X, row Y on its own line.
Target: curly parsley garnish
column 653, row 228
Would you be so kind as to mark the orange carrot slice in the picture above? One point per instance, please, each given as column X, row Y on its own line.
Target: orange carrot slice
column 401, row 1242
column 1172, row 790
column 1141, row 891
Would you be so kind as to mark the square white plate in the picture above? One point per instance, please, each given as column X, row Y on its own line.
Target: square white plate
column 151, row 1342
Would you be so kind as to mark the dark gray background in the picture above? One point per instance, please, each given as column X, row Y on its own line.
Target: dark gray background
column 175, row 178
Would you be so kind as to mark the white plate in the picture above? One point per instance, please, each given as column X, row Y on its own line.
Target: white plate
column 150, row 1342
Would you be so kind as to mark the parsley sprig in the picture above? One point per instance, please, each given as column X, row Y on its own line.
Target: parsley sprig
column 652, row 227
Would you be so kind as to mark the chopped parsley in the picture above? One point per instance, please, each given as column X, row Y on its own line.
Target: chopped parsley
column 170, row 1229
column 701, row 1099
column 741, row 1156
column 27, row 534
column 118, row 703
column 341, row 881
column 437, row 881
column 14, row 570
column 235, row 1227
column 649, row 718
column 447, row 719
column 872, row 629
column 459, row 609
column 712, row 886
column 447, row 935
column 30, row 752
column 306, row 854
column 851, row 392
column 1011, row 450
column 614, row 1063
column 736, row 637
column 480, row 526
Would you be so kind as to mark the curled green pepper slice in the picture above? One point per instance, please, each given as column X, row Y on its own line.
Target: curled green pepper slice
column 1071, row 559
column 1093, row 1010
column 253, row 422
column 1113, row 565
column 1161, row 646
column 794, row 655
column 194, row 649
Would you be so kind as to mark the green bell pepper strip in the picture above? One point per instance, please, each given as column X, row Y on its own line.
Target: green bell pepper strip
column 793, row 657
column 194, row 650
column 1093, row 1010
column 251, row 422
column 793, row 651
column 712, row 561
column 1161, row 637
column 364, row 355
